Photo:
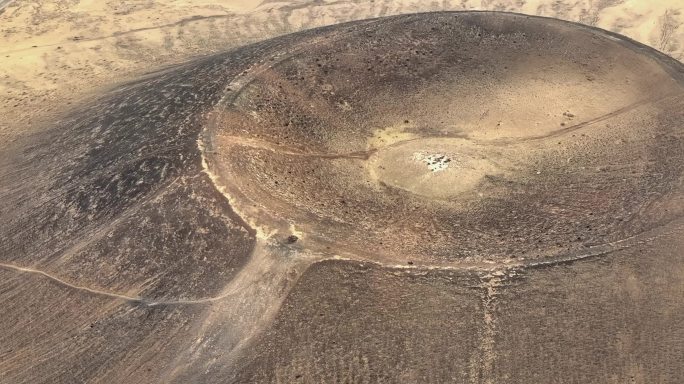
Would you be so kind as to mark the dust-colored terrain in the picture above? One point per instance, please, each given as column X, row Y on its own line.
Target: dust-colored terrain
column 428, row 198
column 54, row 53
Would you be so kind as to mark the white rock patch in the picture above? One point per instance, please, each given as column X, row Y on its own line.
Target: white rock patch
column 435, row 162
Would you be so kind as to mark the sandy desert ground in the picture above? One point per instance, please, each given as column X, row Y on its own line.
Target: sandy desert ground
column 441, row 197
column 57, row 52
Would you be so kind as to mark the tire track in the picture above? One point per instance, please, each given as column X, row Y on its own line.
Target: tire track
column 595, row 120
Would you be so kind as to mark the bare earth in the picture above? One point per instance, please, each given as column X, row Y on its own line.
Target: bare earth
column 53, row 53
column 466, row 197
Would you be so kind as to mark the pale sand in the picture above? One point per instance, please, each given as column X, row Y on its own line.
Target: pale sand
column 54, row 53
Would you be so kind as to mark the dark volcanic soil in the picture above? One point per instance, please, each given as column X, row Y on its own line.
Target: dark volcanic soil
column 459, row 139
column 444, row 197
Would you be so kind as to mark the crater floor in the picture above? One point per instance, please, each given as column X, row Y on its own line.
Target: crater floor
column 451, row 139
